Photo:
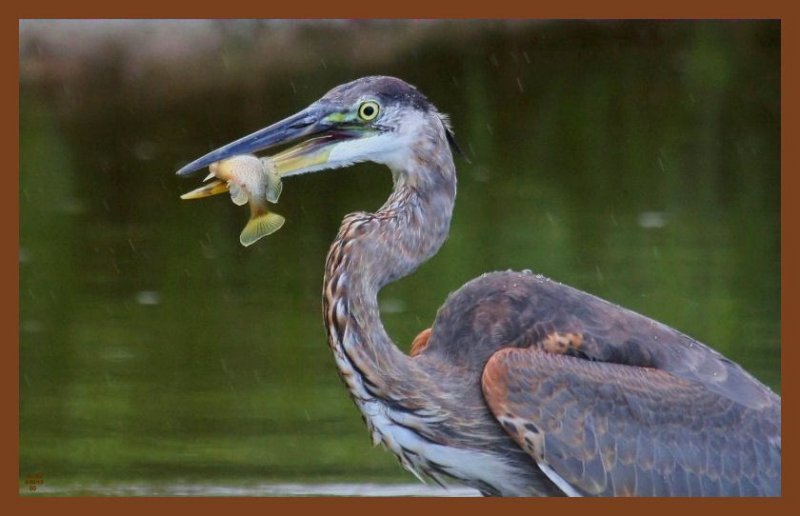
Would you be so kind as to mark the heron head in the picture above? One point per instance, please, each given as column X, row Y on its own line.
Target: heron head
column 379, row 119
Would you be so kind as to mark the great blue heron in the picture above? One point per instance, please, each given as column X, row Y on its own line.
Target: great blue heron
column 523, row 386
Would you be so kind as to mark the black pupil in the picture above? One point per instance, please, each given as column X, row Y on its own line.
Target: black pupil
column 368, row 111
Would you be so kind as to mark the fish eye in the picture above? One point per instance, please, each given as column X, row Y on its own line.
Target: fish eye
column 368, row 110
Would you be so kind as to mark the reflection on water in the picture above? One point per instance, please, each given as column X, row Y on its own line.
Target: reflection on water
column 637, row 161
column 200, row 489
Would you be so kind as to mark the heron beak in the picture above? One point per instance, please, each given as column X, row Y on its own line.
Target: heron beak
column 310, row 123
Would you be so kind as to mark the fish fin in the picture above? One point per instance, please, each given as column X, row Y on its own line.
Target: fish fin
column 213, row 188
column 274, row 186
column 260, row 226
column 238, row 194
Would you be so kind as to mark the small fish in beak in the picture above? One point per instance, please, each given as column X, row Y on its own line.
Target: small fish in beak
column 248, row 179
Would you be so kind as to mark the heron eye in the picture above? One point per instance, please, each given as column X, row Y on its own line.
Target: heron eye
column 368, row 110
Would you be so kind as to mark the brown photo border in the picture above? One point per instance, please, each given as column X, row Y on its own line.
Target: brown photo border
column 675, row 9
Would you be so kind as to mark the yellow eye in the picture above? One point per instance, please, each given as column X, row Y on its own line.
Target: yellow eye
column 368, row 110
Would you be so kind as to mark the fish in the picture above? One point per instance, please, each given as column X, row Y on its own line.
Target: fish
column 248, row 179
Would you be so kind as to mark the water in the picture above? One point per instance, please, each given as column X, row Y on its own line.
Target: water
column 637, row 161
column 255, row 489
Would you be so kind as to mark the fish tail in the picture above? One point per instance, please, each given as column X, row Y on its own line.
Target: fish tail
column 260, row 225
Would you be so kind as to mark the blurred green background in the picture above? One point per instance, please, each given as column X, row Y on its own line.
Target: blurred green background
column 638, row 161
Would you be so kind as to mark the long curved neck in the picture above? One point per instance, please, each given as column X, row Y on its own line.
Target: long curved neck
column 374, row 249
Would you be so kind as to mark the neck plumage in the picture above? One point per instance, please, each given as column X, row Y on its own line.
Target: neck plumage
column 374, row 249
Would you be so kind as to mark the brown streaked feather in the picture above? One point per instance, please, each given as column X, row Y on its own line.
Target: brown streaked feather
column 612, row 430
column 567, row 343
column 420, row 342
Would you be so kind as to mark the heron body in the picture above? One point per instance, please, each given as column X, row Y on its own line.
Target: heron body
column 522, row 386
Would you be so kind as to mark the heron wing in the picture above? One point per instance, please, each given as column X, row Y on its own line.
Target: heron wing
column 519, row 310
column 612, row 430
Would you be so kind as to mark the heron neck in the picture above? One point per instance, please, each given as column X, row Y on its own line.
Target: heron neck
column 374, row 249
